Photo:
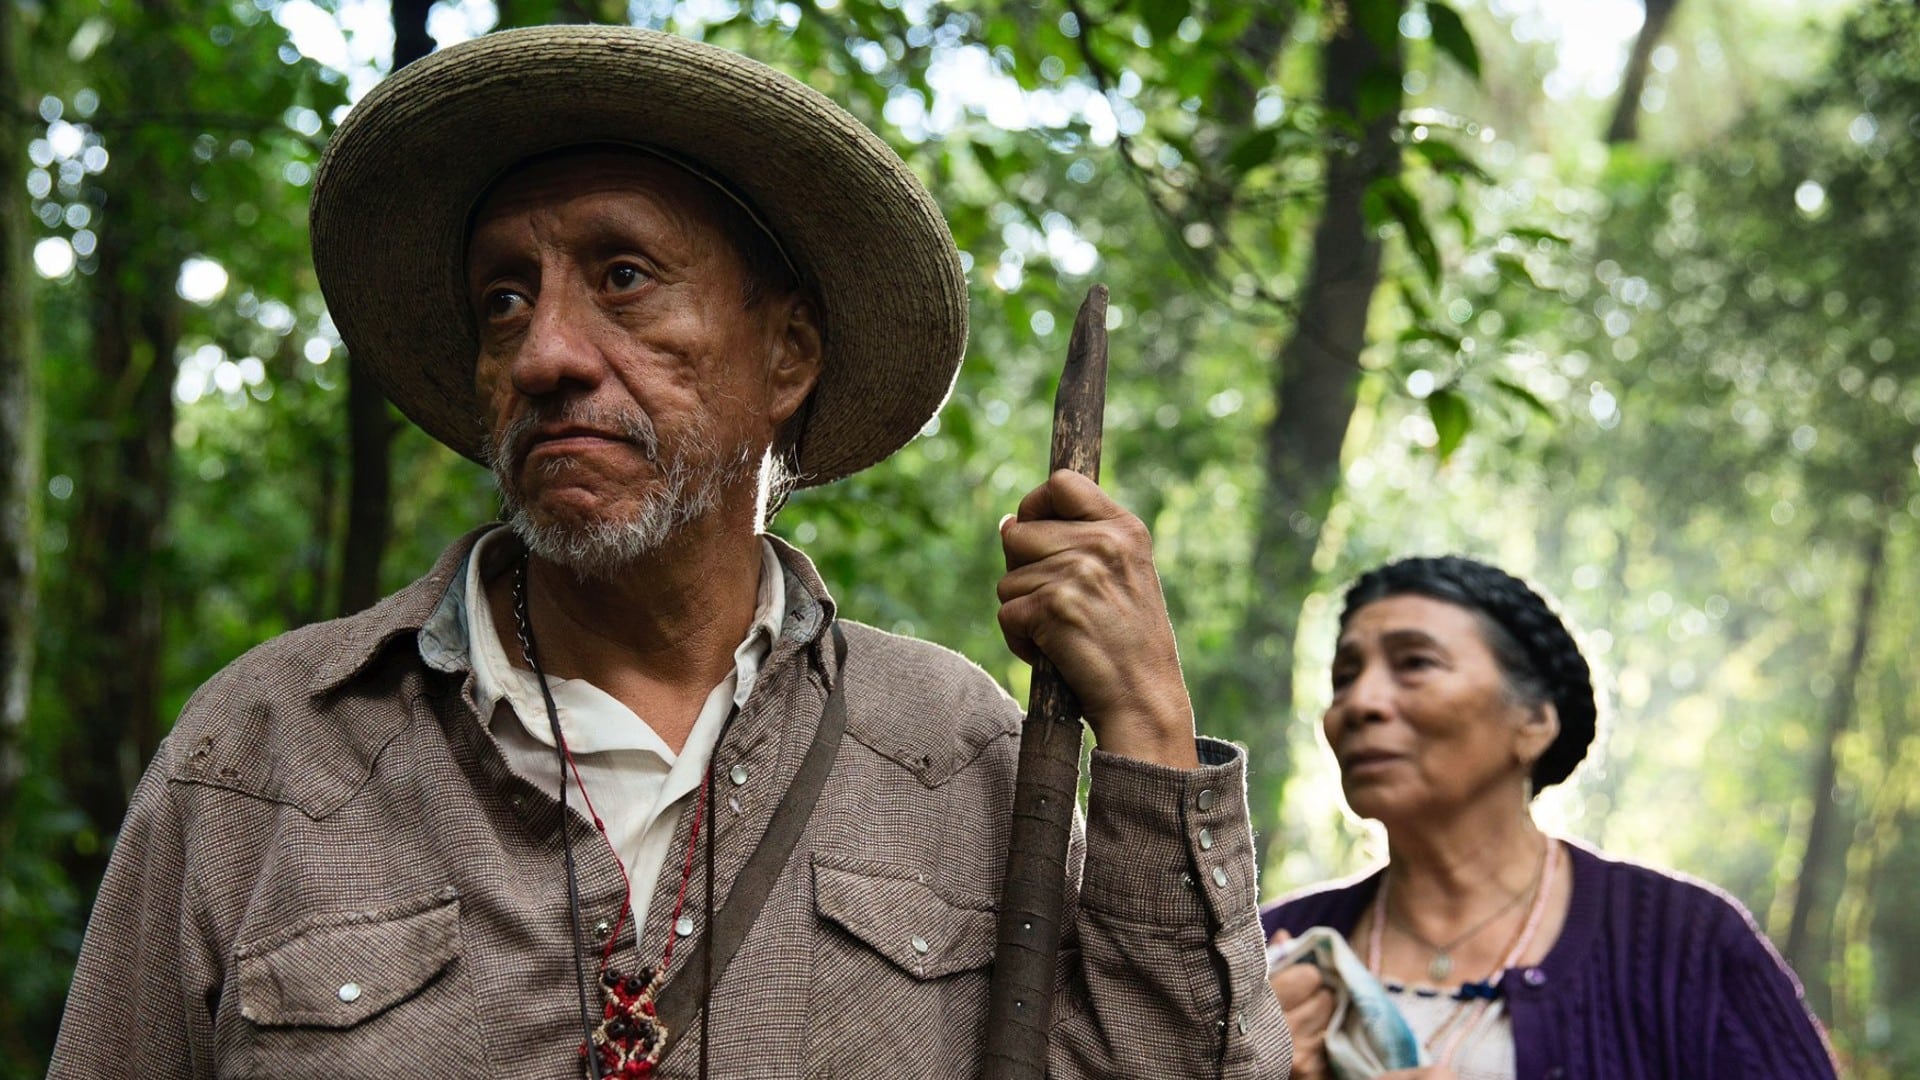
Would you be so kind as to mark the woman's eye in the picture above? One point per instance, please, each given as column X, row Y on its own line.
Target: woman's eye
column 1416, row 662
column 626, row 276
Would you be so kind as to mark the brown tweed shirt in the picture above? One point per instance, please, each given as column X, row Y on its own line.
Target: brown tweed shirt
column 330, row 871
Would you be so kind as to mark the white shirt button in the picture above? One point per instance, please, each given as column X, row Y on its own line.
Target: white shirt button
column 684, row 927
column 350, row 993
column 920, row 945
column 738, row 774
column 1220, row 876
column 1205, row 801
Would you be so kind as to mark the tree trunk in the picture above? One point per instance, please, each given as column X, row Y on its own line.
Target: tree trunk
column 111, row 681
column 370, row 432
column 109, row 675
column 1817, row 859
column 1315, row 383
column 19, row 425
column 1625, row 125
column 370, row 424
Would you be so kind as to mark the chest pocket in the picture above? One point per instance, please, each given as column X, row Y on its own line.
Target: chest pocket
column 363, row 994
column 899, row 980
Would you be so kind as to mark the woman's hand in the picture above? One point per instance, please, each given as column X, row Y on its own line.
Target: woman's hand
column 1308, row 1005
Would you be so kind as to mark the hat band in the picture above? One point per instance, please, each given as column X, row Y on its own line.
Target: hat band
column 692, row 168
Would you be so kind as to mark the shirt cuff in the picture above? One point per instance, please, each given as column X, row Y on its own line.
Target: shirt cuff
column 1172, row 847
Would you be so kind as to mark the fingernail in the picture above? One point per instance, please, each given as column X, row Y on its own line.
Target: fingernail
column 1004, row 520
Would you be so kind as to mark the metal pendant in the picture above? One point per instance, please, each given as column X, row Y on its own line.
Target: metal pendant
column 1440, row 966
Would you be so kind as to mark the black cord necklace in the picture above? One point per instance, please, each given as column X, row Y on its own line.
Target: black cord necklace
column 532, row 656
column 630, row 1040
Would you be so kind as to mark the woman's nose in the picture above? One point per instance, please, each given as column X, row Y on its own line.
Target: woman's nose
column 1369, row 697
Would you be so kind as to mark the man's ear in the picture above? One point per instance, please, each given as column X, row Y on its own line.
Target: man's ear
column 793, row 363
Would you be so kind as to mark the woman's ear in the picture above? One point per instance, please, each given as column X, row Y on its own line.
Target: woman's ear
column 1537, row 732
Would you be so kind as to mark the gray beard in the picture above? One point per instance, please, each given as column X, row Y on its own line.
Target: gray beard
column 692, row 479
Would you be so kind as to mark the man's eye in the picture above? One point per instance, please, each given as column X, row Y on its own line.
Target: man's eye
column 626, row 276
column 502, row 303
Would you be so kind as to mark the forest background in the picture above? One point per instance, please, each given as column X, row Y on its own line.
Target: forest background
column 1615, row 293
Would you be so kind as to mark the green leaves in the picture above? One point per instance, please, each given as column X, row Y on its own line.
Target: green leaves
column 1448, row 160
column 1253, row 151
column 1525, row 397
column 1163, row 17
column 1452, row 419
column 1450, row 36
column 1378, row 94
column 1379, row 20
column 1388, row 199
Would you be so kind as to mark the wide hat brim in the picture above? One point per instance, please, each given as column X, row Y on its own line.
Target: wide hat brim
column 400, row 179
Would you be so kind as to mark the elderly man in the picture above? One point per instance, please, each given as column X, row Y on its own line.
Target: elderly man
column 615, row 790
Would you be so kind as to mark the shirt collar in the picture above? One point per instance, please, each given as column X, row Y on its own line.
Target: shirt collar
column 431, row 612
column 463, row 633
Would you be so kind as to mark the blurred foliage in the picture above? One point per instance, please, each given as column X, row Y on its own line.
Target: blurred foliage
column 1674, row 384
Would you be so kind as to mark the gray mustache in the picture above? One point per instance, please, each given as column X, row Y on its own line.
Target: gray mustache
column 634, row 425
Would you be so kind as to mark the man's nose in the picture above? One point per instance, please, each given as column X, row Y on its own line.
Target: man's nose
column 559, row 351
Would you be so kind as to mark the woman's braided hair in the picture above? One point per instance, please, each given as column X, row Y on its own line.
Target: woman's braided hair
column 1535, row 650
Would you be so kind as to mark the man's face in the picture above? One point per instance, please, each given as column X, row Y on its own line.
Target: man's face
column 628, row 388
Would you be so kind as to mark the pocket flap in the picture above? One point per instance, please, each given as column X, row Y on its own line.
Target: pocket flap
column 921, row 932
column 338, row 970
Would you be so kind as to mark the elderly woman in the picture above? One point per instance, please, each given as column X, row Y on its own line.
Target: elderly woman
column 1457, row 695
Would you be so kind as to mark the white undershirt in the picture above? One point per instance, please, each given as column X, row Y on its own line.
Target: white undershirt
column 635, row 781
column 1485, row 1052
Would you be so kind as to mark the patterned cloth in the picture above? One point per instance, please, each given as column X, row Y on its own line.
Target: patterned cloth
column 330, row 870
column 1366, row 1035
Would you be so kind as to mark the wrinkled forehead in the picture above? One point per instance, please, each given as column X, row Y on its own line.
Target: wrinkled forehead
column 1414, row 612
column 551, row 180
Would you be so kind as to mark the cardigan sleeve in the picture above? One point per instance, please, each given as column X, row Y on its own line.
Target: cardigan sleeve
column 1763, row 1028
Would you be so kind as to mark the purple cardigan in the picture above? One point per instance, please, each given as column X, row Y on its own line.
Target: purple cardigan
column 1652, row 977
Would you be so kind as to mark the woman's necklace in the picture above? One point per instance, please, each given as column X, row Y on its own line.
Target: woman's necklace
column 1477, row 1004
column 630, row 1038
column 1441, row 965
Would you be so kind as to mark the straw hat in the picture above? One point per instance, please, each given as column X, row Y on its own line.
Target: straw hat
column 401, row 178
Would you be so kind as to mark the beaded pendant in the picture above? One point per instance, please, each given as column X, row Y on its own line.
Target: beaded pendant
column 630, row 1037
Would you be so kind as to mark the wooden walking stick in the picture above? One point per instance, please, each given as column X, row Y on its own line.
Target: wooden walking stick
column 1020, row 998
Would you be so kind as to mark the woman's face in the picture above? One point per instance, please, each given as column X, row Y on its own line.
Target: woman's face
column 1422, row 722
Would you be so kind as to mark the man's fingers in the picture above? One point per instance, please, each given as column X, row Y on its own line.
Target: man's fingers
column 1068, row 496
column 1112, row 542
